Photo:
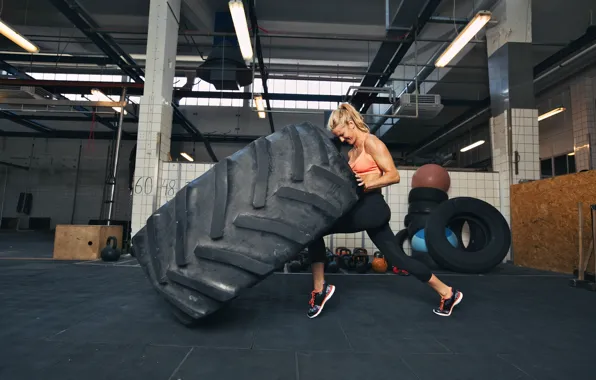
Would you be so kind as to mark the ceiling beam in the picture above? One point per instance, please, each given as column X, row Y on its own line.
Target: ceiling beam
column 80, row 18
column 26, row 123
column 114, row 88
column 24, row 77
column 215, row 138
column 73, row 11
column 390, row 54
column 198, row 13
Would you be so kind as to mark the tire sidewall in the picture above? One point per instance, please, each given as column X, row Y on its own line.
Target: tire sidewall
column 497, row 243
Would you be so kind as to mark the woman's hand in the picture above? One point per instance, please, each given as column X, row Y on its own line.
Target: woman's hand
column 364, row 182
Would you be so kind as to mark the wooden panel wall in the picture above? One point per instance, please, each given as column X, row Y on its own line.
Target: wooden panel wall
column 544, row 221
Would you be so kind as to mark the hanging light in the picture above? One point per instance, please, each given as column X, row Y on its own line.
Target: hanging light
column 462, row 39
column 241, row 27
column 187, row 156
column 103, row 98
column 15, row 37
column 550, row 113
column 472, row 146
column 259, row 105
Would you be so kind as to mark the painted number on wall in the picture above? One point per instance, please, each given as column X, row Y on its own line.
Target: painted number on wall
column 144, row 185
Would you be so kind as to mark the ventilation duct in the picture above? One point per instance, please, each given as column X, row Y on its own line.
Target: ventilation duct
column 225, row 68
column 429, row 106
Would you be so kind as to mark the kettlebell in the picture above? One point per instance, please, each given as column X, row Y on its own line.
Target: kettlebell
column 111, row 251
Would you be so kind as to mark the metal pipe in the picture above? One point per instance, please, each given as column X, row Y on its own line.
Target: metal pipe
column 272, row 34
column 116, row 153
column 449, row 131
column 3, row 194
column 387, row 21
column 565, row 63
column 580, row 235
column 76, row 187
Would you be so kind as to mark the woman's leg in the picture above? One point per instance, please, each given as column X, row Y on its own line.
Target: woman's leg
column 381, row 235
column 385, row 240
column 322, row 291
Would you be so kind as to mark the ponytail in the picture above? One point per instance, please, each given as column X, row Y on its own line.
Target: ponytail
column 345, row 113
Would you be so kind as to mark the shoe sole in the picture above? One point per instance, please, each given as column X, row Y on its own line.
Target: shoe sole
column 457, row 301
column 323, row 303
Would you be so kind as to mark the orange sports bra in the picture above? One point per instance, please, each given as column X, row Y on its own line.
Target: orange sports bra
column 364, row 164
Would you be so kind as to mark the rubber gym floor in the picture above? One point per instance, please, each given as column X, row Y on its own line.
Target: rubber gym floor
column 65, row 320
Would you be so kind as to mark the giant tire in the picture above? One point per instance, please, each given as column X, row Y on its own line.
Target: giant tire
column 245, row 217
column 498, row 239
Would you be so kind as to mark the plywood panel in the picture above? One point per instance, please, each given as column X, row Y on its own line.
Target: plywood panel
column 544, row 221
column 82, row 242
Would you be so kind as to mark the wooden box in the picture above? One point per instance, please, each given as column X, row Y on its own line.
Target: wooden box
column 82, row 242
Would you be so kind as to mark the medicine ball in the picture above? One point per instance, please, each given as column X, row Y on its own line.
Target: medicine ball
column 418, row 241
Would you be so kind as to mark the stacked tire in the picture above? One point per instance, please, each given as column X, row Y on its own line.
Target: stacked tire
column 435, row 222
column 244, row 218
column 422, row 201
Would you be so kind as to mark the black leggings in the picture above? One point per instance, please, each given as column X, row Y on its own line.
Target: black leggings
column 371, row 214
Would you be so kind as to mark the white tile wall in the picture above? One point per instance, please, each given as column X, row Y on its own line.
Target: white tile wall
column 473, row 184
column 525, row 141
column 584, row 127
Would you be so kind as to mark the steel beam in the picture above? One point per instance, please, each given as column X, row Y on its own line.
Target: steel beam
column 390, row 55
column 73, row 11
column 569, row 50
column 26, row 123
column 25, row 78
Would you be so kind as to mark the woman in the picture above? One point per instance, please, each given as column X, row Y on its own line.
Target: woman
column 374, row 169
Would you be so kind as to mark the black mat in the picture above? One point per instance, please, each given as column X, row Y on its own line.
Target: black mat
column 73, row 321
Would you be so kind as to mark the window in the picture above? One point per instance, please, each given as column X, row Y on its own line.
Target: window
column 563, row 164
column 546, row 168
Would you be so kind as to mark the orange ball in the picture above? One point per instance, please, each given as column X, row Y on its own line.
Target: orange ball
column 431, row 175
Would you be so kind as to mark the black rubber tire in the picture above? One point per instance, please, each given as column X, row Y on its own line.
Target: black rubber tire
column 421, row 207
column 244, row 218
column 427, row 194
column 478, row 233
column 483, row 260
column 400, row 238
column 417, row 222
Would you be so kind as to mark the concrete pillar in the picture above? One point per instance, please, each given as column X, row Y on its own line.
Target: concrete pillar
column 155, row 119
column 583, row 103
column 514, row 125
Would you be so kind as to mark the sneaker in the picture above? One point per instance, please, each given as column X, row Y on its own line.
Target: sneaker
column 318, row 299
column 447, row 305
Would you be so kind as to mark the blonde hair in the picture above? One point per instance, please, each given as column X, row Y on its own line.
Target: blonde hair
column 345, row 113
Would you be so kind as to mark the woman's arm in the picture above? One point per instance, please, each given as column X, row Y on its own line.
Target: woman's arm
column 379, row 152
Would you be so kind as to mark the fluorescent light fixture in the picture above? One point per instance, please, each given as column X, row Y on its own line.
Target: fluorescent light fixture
column 187, row 156
column 472, row 146
column 241, row 27
column 103, row 98
column 15, row 37
column 473, row 27
column 571, row 154
column 259, row 105
column 550, row 113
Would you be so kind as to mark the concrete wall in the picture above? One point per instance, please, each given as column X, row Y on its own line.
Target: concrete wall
column 556, row 132
column 52, row 179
